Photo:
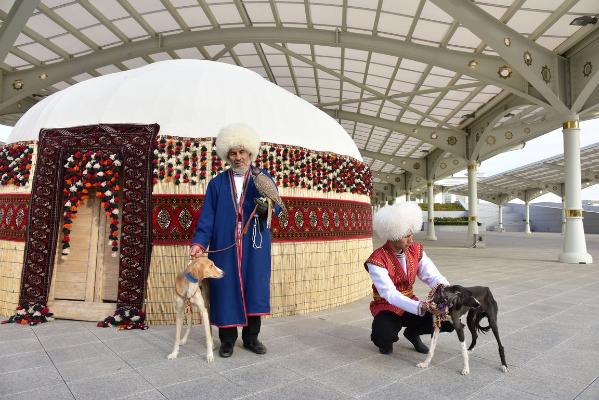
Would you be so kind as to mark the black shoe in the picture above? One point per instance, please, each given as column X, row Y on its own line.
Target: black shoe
column 386, row 349
column 256, row 346
column 417, row 343
column 225, row 350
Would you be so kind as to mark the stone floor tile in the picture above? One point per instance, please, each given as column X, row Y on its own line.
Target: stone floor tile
column 109, row 386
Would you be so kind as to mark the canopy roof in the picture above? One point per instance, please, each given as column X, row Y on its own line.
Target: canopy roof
column 194, row 99
column 533, row 180
column 418, row 84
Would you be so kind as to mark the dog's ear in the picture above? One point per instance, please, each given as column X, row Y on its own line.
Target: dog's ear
column 197, row 267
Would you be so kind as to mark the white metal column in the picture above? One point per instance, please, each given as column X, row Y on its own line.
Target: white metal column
column 501, row 217
column 574, row 250
column 430, row 227
column 563, row 215
column 472, row 201
column 527, row 217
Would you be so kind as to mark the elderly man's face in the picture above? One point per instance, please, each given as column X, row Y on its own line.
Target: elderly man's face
column 239, row 159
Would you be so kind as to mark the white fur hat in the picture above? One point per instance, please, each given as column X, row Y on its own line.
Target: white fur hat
column 396, row 221
column 237, row 135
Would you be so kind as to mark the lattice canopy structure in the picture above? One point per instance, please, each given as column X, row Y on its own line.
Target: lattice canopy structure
column 536, row 179
column 421, row 86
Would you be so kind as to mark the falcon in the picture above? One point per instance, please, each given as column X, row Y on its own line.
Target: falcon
column 267, row 189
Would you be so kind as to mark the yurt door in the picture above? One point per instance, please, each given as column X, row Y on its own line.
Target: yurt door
column 85, row 282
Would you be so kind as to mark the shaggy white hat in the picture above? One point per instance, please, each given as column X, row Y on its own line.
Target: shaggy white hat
column 237, row 135
column 396, row 221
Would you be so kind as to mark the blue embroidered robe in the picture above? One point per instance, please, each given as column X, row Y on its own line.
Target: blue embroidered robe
column 245, row 287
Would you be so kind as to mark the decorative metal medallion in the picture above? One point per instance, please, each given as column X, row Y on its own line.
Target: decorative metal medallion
column 507, row 41
column 163, row 219
column 185, row 219
column 509, row 135
column 299, row 218
column 455, row 162
column 313, row 218
column 416, row 165
column 491, row 140
column 527, row 58
column 283, row 220
column 434, row 135
column 527, row 130
column 443, row 165
column 546, row 74
column 587, row 69
column 452, row 140
column 336, row 219
column 504, row 72
column 473, row 64
column 398, row 179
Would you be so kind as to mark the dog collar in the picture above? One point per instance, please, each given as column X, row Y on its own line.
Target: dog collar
column 190, row 278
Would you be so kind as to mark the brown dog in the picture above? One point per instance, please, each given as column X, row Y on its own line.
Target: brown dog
column 189, row 292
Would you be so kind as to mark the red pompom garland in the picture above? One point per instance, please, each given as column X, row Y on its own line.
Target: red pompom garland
column 87, row 172
column 178, row 160
column 15, row 163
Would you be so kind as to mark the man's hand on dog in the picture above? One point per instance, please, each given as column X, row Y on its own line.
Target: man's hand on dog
column 196, row 250
column 261, row 207
column 429, row 307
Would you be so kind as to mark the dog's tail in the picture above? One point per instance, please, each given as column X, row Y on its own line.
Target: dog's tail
column 482, row 329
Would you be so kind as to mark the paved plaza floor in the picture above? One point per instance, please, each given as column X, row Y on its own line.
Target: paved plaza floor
column 548, row 321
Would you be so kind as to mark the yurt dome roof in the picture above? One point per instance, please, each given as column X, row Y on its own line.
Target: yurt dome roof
column 189, row 98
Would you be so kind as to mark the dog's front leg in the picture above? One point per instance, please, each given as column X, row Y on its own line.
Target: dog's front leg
column 199, row 301
column 189, row 324
column 179, row 313
column 459, row 329
column 431, row 351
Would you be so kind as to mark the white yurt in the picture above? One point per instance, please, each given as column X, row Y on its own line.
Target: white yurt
column 102, row 183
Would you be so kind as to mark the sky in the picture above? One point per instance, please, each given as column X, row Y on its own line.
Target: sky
column 545, row 146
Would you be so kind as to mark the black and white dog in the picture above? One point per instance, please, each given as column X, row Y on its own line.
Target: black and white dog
column 478, row 302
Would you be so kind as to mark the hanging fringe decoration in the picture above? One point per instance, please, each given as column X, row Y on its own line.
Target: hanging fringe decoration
column 15, row 164
column 91, row 171
column 178, row 160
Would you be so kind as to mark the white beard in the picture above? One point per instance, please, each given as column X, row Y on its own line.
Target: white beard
column 240, row 170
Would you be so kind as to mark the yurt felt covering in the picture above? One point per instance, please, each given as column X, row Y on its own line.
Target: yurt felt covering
column 318, row 248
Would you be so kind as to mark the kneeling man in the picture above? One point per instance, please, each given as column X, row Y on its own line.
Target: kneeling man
column 393, row 269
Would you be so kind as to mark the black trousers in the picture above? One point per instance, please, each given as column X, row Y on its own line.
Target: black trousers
column 249, row 333
column 386, row 326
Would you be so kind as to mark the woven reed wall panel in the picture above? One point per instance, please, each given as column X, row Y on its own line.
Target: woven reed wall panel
column 305, row 277
column 11, row 266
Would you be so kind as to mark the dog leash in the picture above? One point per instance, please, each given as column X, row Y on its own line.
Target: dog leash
column 243, row 232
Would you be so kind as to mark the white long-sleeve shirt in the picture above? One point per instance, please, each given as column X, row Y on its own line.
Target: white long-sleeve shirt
column 427, row 272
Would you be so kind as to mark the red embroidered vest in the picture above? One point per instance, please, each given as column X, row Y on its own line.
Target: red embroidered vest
column 385, row 257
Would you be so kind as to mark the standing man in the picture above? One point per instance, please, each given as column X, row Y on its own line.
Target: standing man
column 393, row 269
column 243, row 294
